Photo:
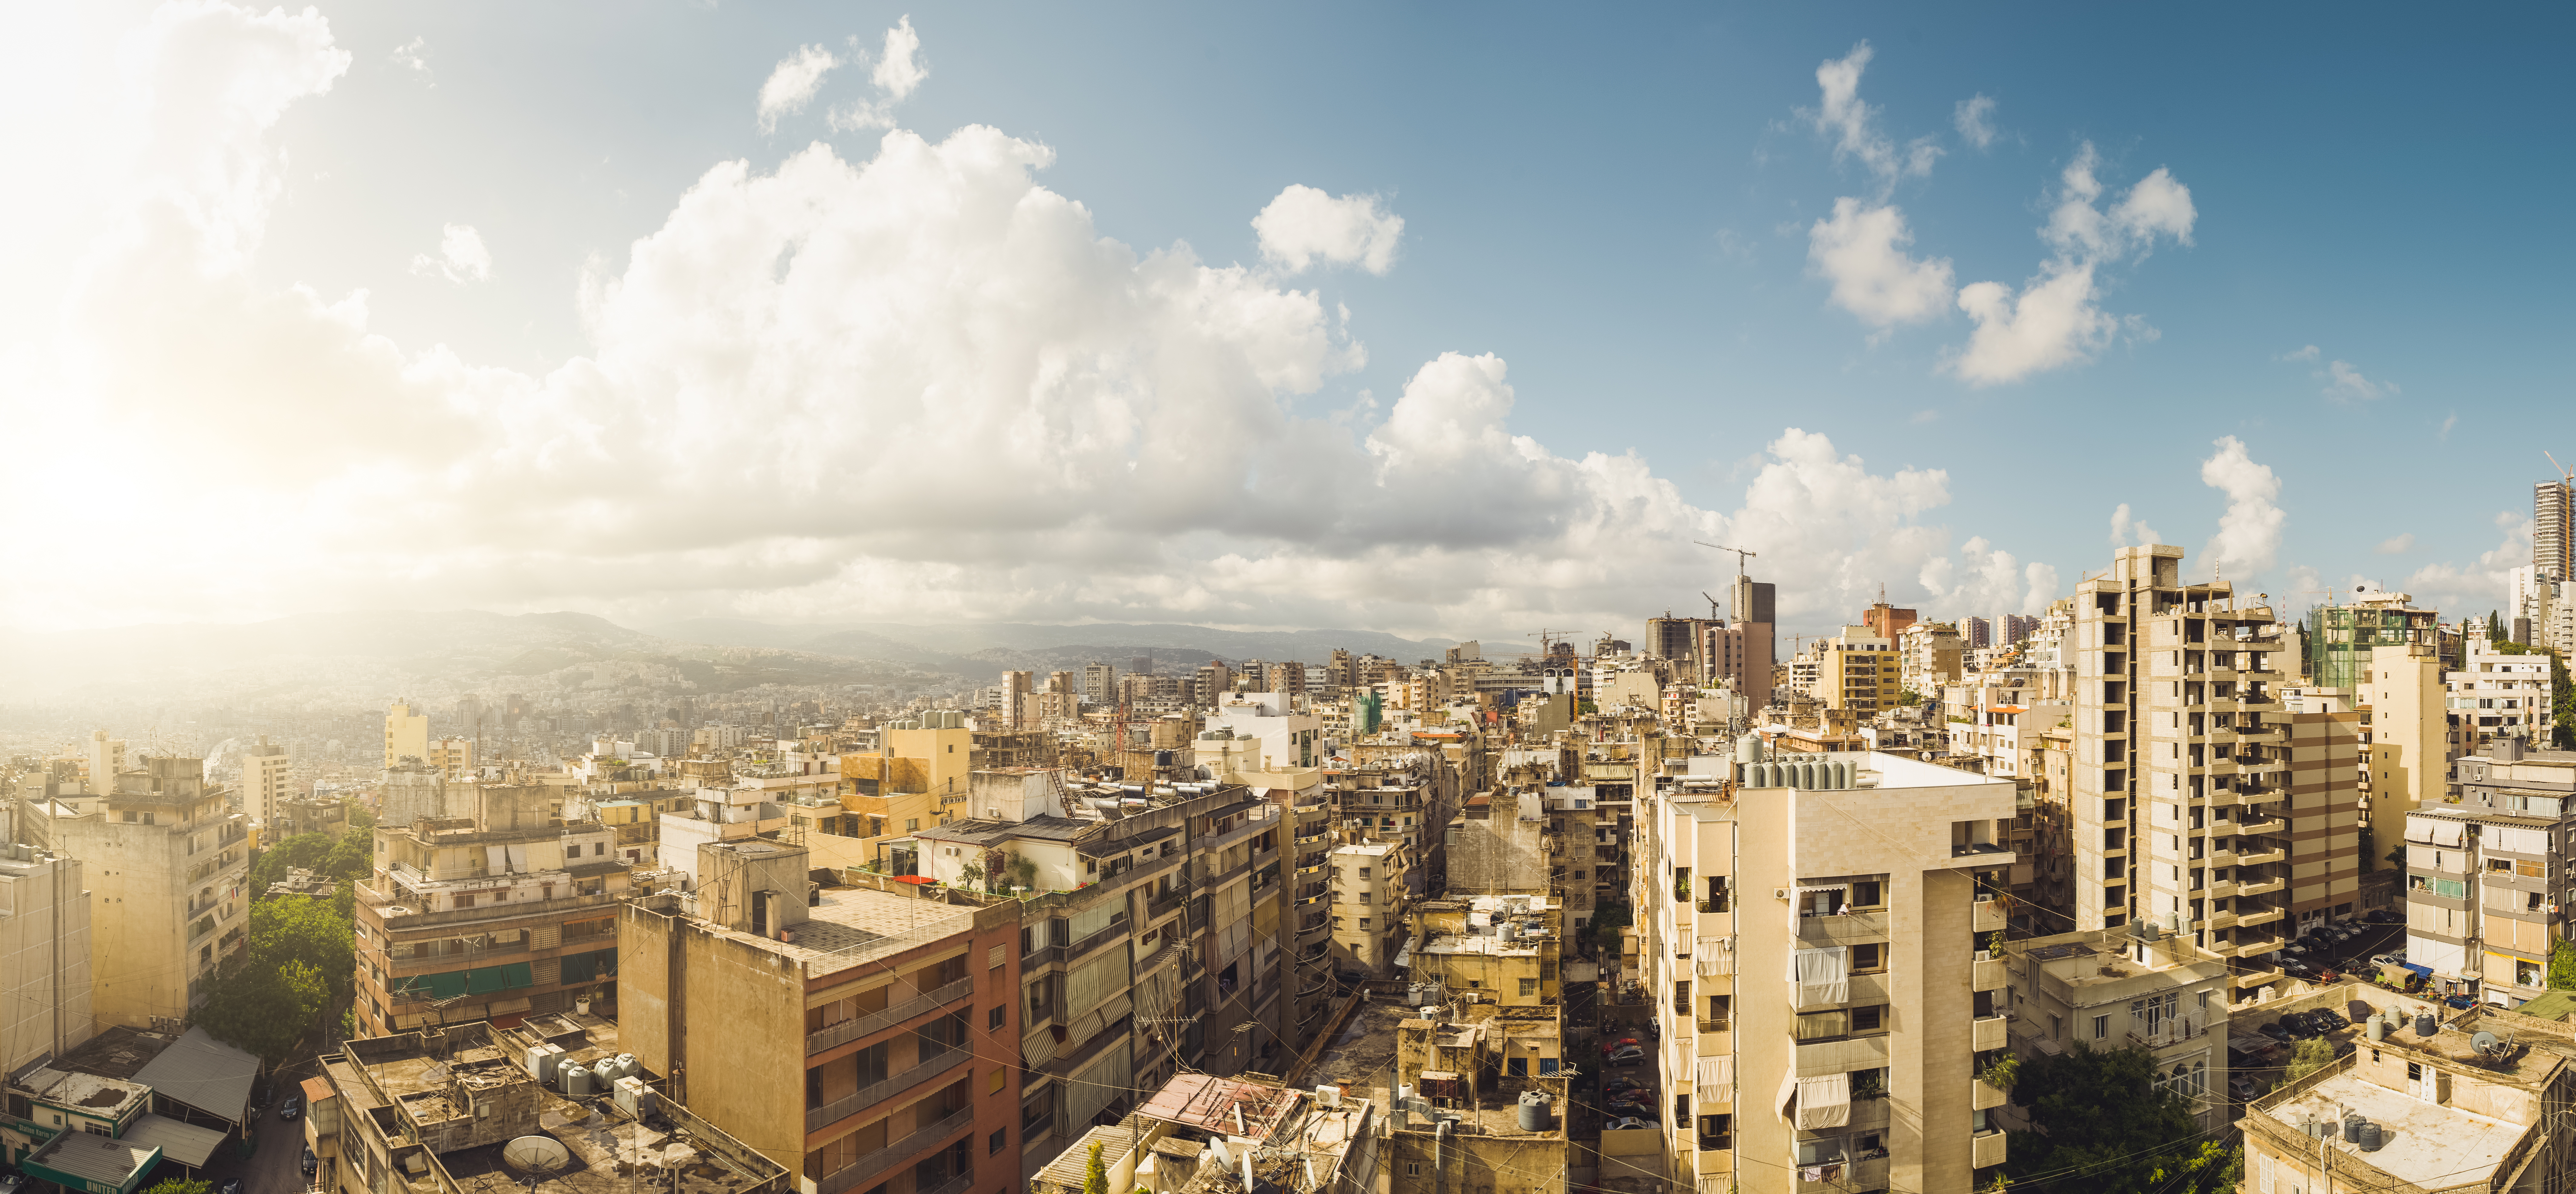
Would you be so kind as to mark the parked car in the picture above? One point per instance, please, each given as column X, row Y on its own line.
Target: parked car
column 2384, row 916
column 1628, row 1124
column 308, row 1162
column 1627, row 1054
column 232, row 1187
column 2296, row 968
column 1622, row 1042
column 292, row 1107
column 10, row 1183
column 2277, row 1032
column 2391, row 958
column 2243, row 1089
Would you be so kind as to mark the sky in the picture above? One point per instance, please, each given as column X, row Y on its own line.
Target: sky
column 1262, row 318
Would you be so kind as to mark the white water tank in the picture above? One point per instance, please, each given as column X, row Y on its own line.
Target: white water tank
column 543, row 1060
column 633, row 1097
column 576, row 1080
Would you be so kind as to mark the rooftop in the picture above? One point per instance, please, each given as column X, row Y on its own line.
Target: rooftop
column 2432, row 1145
column 1210, row 1103
column 853, row 926
column 116, row 1052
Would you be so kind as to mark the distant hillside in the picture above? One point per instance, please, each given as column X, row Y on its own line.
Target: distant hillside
column 959, row 646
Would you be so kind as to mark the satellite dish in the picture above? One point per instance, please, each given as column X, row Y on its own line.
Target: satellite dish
column 2483, row 1042
column 535, row 1155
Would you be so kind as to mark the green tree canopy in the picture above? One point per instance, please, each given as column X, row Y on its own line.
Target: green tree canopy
column 305, row 850
column 180, row 1185
column 1095, row 1175
column 2103, row 1126
column 352, row 857
column 265, row 1009
column 310, row 931
column 2313, row 1054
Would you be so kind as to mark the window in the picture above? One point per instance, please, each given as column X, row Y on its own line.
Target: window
column 1000, row 1137
column 1000, row 1074
column 1868, row 895
column 1529, row 986
column 2101, row 1028
column 1869, row 957
column 1413, row 1169
column 912, row 825
column 1516, row 1067
column 1869, row 1019
column 994, row 1019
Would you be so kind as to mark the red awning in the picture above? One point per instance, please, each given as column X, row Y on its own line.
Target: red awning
column 909, row 878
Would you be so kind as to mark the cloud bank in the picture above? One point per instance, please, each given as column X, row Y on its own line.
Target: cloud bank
column 916, row 385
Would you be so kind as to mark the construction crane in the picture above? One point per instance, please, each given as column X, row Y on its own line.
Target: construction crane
column 1740, row 556
column 1547, row 638
column 2563, row 473
column 1712, row 605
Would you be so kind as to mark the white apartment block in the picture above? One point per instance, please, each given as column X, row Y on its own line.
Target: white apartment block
column 2494, row 695
column 1815, row 930
column 264, row 767
column 165, row 858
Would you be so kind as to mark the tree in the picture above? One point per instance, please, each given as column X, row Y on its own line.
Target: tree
column 2495, row 627
column 265, row 1009
column 306, row 850
column 1095, row 1174
column 308, row 931
column 352, row 857
column 180, row 1185
column 2562, row 967
column 361, row 820
column 2313, row 1054
column 2102, row 1114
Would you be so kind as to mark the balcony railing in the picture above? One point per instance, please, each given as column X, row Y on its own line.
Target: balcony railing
column 954, row 1185
column 911, row 1146
column 816, row 1119
column 851, row 1030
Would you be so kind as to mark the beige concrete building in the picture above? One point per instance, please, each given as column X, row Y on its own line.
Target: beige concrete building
column 2407, row 740
column 2413, row 1111
column 1928, row 656
column 2484, row 905
column 264, row 768
column 2494, row 695
column 1368, row 905
column 2182, row 765
column 479, row 1107
column 1859, row 671
column 1498, row 949
column 406, row 733
column 509, row 912
column 165, row 858
column 2112, row 989
column 1814, row 930
column 1454, row 1075
column 44, row 956
column 857, row 1036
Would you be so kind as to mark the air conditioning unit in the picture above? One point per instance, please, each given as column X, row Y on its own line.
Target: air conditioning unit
column 1779, row 893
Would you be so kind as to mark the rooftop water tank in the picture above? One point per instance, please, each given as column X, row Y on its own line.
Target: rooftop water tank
column 2352, row 1128
column 1534, row 1110
column 2370, row 1137
column 576, row 1080
column 1749, row 749
column 2424, row 1025
column 2378, row 1029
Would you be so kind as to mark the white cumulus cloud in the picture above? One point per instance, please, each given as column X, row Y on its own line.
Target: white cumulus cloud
column 1861, row 250
column 2128, row 531
column 2396, row 545
column 1854, row 125
column 2249, row 533
column 461, row 256
column 1304, row 225
column 900, row 70
column 2056, row 318
column 917, row 386
column 793, row 83
column 413, row 56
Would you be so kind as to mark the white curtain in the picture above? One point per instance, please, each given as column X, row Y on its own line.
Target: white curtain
column 1823, row 976
column 2446, row 832
column 519, row 859
column 2419, row 829
column 1714, row 955
column 1824, row 1102
column 1715, row 1074
column 496, row 859
column 1788, row 1092
column 1095, row 918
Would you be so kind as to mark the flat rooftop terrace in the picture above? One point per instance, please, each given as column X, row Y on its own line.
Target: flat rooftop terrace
column 2425, row 1144
column 853, row 926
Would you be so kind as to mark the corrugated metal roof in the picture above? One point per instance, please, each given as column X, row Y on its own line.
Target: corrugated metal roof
column 86, row 1158
column 185, row 1143
column 204, row 1073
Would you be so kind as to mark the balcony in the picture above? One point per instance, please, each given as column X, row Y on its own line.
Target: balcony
column 2169, row 1032
column 1986, row 1149
column 2264, row 858
column 2248, row 920
column 924, row 1140
column 2270, row 825
column 1986, row 1033
column 1983, row 1094
column 1986, row 916
column 2254, row 978
column 851, row 1030
column 1844, row 929
column 818, row 1118
column 1987, row 974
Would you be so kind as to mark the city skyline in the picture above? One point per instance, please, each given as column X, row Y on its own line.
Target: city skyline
column 351, row 332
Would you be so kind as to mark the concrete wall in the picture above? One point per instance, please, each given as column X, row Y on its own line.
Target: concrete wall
column 44, row 953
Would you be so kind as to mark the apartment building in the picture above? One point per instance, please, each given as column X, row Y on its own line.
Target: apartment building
column 1498, row 949
column 2407, row 737
column 2484, row 877
column 406, row 733
column 44, row 956
column 483, row 1107
column 1858, row 671
column 2495, row 695
column 2182, row 767
column 166, row 859
column 1928, row 655
column 264, row 769
column 507, row 912
column 1159, row 943
column 1860, row 883
column 1188, row 1139
column 2117, row 989
column 2343, row 638
column 1368, row 905
column 860, row 1038
column 2423, row 1111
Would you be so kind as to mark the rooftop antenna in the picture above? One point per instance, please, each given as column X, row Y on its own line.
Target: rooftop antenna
column 1740, row 555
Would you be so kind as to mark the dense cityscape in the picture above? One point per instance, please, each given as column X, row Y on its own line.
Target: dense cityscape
column 2164, row 882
